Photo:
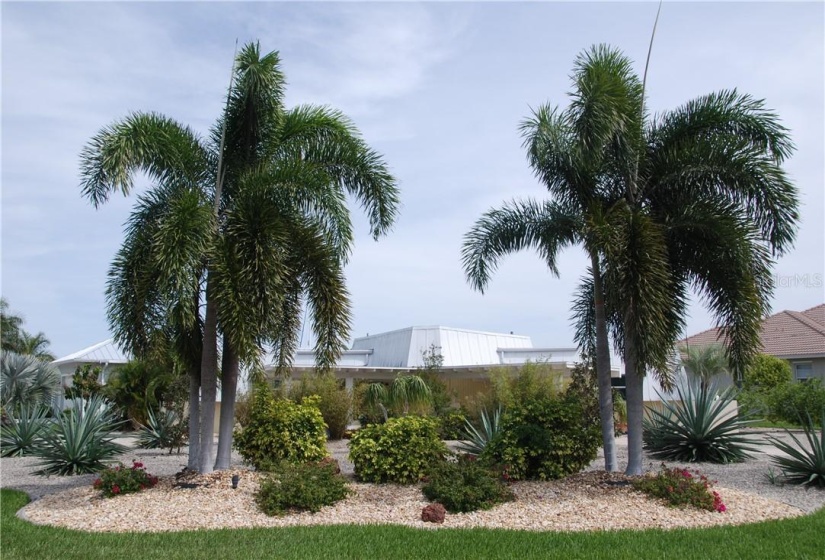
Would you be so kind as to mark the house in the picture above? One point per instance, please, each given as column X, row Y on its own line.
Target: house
column 108, row 357
column 795, row 336
column 104, row 354
column 468, row 356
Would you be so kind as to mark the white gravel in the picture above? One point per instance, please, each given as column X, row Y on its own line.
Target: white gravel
column 582, row 503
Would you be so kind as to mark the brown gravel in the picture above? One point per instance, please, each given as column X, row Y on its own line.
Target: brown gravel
column 584, row 502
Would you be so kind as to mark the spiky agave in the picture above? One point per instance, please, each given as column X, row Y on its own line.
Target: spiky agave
column 81, row 441
column 701, row 425
column 803, row 465
column 23, row 433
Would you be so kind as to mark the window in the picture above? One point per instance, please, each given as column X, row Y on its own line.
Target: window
column 803, row 371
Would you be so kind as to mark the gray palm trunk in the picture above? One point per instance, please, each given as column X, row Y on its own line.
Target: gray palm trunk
column 635, row 410
column 603, row 371
column 194, row 419
column 229, row 384
column 209, row 379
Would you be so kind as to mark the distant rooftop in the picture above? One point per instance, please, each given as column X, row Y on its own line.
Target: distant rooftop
column 460, row 348
column 787, row 334
column 102, row 352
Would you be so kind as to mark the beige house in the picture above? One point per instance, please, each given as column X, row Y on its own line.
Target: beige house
column 795, row 336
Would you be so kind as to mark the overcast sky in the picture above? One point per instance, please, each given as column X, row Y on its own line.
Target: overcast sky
column 438, row 88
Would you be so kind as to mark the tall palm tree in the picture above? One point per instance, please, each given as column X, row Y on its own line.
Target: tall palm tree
column 703, row 204
column 250, row 223
column 570, row 151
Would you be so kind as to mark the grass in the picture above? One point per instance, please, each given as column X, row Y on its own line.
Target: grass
column 765, row 423
column 791, row 538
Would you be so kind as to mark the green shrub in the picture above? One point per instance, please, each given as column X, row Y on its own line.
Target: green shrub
column 401, row 450
column 753, row 403
column 81, row 440
column 85, row 382
column 803, row 465
column 465, row 485
column 547, row 437
column 142, row 385
column 793, row 402
column 281, row 430
column 766, row 373
column 301, row 487
column 698, row 426
column 451, row 424
column 335, row 403
column 164, row 430
column 119, row 480
column 680, row 487
column 24, row 430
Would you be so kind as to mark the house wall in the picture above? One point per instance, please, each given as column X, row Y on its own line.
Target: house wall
column 818, row 367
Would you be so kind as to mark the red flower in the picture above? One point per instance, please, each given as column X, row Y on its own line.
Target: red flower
column 98, row 483
column 115, row 489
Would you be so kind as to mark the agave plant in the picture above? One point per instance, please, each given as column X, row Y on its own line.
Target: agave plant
column 698, row 426
column 82, row 440
column 163, row 430
column 23, row 433
column 803, row 465
column 476, row 440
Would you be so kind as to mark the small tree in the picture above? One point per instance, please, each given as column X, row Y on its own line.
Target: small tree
column 406, row 392
column 85, row 382
column 705, row 362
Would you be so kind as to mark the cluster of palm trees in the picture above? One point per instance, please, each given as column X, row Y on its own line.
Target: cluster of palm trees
column 244, row 228
column 694, row 198
column 239, row 232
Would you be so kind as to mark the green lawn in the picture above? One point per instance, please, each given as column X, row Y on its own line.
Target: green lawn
column 794, row 538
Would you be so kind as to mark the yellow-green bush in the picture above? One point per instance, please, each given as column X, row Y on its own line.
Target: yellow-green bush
column 402, row 450
column 281, row 430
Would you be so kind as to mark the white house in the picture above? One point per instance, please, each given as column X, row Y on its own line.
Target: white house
column 468, row 356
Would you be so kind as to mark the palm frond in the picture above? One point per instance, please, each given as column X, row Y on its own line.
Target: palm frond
column 160, row 147
column 518, row 225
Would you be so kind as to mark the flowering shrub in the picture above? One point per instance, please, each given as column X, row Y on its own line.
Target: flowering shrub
column 680, row 487
column 118, row 480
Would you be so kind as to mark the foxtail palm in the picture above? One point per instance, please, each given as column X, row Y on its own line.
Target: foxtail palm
column 703, row 204
column 251, row 221
column 570, row 152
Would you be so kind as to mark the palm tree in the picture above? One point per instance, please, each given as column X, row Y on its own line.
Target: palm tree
column 35, row 345
column 705, row 362
column 704, row 204
column 569, row 152
column 10, row 327
column 26, row 381
column 252, row 222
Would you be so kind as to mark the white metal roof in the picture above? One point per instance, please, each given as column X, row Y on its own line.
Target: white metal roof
column 102, row 352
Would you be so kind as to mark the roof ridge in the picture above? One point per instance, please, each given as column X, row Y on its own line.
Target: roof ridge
column 805, row 313
column 807, row 321
column 701, row 333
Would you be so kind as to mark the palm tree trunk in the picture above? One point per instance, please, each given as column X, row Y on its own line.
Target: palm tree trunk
column 229, row 385
column 209, row 378
column 194, row 419
column 603, row 370
column 635, row 409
